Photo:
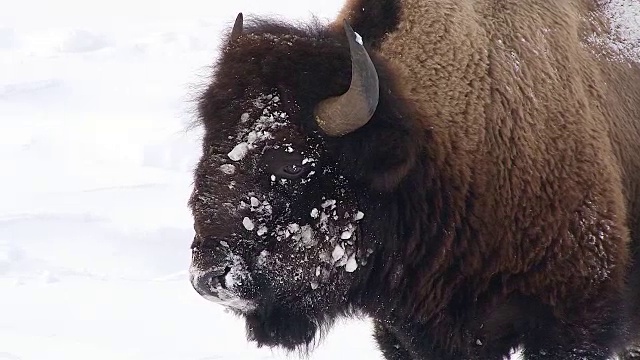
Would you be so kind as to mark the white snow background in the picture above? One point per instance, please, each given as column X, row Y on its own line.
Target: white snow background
column 96, row 162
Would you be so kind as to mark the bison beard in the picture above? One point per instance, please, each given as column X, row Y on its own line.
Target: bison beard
column 485, row 205
column 278, row 326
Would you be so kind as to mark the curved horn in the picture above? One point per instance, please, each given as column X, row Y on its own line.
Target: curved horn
column 340, row 115
column 237, row 28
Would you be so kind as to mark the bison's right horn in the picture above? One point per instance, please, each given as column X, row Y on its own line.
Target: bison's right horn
column 237, row 28
column 340, row 115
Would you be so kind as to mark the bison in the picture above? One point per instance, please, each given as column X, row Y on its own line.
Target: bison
column 464, row 172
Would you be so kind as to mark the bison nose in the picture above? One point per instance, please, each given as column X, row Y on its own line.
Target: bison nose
column 216, row 279
column 210, row 267
column 210, row 281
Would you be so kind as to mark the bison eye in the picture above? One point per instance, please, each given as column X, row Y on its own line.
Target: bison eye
column 284, row 164
column 292, row 169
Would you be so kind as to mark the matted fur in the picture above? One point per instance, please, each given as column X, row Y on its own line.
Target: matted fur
column 499, row 175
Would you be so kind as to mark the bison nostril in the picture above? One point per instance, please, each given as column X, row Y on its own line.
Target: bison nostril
column 219, row 281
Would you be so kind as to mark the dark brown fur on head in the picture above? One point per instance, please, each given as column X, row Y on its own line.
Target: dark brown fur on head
column 309, row 65
column 305, row 66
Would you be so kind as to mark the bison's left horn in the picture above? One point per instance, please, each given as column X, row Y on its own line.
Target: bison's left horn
column 237, row 27
column 350, row 111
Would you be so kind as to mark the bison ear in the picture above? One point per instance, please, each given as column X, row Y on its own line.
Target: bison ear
column 384, row 153
column 237, row 28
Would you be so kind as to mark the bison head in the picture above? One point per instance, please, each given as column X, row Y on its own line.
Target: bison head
column 294, row 193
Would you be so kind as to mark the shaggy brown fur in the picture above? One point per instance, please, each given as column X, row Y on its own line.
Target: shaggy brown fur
column 500, row 175
column 525, row 112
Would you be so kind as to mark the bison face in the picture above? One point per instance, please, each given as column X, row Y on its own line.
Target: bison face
column 277, row 235
column 293, row 199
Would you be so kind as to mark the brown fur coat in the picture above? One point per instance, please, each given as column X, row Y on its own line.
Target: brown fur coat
column 537, row 123
column 499, row 175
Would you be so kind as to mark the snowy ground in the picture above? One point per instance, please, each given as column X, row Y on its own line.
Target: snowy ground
column 96, row 171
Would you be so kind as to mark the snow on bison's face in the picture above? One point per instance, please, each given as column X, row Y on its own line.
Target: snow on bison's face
column 278, row 205
column 276, row 226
